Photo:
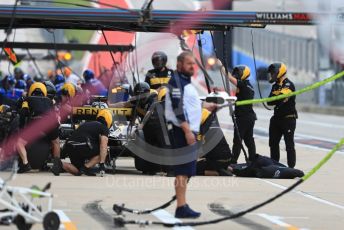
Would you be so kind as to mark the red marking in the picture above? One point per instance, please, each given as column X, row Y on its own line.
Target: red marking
column 103, row 60
column 11, row 55
column 303, row 17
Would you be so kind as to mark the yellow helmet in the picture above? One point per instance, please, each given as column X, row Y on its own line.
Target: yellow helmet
column 5, row 108
column 2, row 108
column 205, row 114
column 162, row 94
column 276, row 71
column 68, row 89
column 107, row 116
column 38, row 87
column 241, row 72
column 153, row 91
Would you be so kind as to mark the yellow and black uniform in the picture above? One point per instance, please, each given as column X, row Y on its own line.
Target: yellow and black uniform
column 216, row 158
column 245, row 116
column 84, row 143
column 143, row 98
column 35, row 106
column 151, row 127
column 157, row 78
column 283, row 122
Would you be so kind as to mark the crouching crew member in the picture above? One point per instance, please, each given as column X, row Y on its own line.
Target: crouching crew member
column 283, row 122
column 152, row 126
column 216, row 157
column 89, row 142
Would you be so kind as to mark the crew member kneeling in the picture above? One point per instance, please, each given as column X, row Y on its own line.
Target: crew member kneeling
column 89, row 142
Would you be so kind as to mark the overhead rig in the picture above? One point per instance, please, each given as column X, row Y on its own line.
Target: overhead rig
column 69, row 46
column 64, row 47
column 131, row 20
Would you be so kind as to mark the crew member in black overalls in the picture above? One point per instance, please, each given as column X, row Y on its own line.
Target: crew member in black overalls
column 33, row 108
column 283, row 122
column 88, row 143
column 245, row 116
column 160, row 75
column 144, row 98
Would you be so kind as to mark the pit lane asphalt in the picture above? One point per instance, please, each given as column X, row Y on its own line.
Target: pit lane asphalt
column 317, row 204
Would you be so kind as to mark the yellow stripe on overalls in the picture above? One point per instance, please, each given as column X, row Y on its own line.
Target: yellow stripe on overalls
column 159, row 80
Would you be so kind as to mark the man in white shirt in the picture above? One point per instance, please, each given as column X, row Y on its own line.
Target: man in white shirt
column 184, row 110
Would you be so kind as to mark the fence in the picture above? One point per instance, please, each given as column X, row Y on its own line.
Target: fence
column 299, row 54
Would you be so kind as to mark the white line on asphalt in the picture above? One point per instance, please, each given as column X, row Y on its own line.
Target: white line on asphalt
column 296, row 136
column 166, row 217
column 66, row 223
column 267, row 118
column 305, row 195
column 319, row 148
column 300, row 135
column 277, row 220
column 314, row 137
column 321, row 124
column 308, row 146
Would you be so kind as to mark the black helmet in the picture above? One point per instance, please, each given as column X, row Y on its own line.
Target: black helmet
column 276, row 71
column 9, row 80
column 141, row 87
column 59, row 79
column 159, row 60
column 241, row 72
column 18, row 71
column 88, row 75
column 51, row 89
column 128, row 89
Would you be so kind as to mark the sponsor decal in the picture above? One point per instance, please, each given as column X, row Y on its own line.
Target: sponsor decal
column 283, row 16
column 94, row 111
column 274, row 16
